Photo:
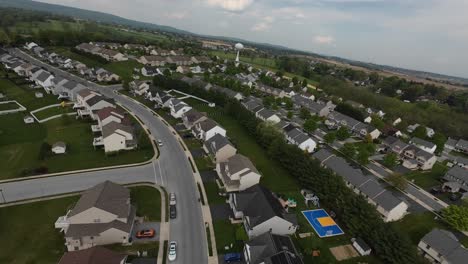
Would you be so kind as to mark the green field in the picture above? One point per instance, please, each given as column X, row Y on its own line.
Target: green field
column 30, row 228
column 53, row 111
column 20, row 146
column 9, row 106
column 123, row 68
column 25, row 95
column 66, row 51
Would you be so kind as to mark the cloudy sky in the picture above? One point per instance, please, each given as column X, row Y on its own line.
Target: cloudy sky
column 429, row 35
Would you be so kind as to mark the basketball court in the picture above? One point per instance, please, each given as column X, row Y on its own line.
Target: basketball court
column 322, row 223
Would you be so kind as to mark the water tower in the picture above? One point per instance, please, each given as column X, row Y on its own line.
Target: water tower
column 238, row 47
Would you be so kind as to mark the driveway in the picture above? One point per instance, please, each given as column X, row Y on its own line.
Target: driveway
column 220, row 211
column 143, row 226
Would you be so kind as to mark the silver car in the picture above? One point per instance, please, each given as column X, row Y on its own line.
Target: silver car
column 172, row 251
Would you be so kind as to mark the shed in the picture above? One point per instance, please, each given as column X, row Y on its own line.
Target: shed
column 361, row 246
column 28, row 120
column 59, row 148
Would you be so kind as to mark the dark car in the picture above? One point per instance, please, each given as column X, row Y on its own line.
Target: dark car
column 232, row 257
column 455, row 197
column 436, row 190
column 172, row 211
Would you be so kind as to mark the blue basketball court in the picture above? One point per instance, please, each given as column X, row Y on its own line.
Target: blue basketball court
column 322, row 223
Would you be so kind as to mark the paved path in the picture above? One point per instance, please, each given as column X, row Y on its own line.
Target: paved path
column 172, row 170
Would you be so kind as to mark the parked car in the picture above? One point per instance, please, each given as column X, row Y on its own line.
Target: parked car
column 172, row 199
column 160, row 143
column 232, row 257
column 172, row 211
column 436, row 190
column 146, row 233
column 172, row 251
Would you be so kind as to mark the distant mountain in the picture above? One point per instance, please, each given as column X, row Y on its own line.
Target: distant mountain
column 86, row 14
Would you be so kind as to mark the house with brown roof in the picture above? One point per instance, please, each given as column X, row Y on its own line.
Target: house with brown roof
column 107, row 115
column 103, row 215
column 192, row 117
column 207, row 129
column 237, row 173
column 116, row 137
column 89, row 102
column 219, row 148
column 94, row 255
column 152, row 60
column 179, row 60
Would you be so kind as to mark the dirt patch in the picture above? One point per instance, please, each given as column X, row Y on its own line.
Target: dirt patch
column 344, row 252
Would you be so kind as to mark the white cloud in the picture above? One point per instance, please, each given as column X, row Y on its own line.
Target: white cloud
column 324, row 40
column 263, row 25
column 177, row 15
column 231, row 5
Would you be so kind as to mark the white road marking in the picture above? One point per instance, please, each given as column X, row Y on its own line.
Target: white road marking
column 155, row 176
column 160, row 172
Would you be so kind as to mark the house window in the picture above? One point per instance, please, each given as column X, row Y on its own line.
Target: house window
column 91, row 237
column 428, row 247
column 76, row 248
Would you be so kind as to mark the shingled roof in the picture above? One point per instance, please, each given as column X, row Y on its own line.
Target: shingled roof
column 94, row 255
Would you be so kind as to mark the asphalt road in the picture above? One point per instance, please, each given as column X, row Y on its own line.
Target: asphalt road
column 172, row 170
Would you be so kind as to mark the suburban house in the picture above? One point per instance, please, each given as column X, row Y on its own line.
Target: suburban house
column 160, row 52
column 424, row 144
column 103, row 75
column 315, row 108
column 458, row 175
column 94, row 255
column 237, row 173
column 44, row 79
column 149, row 71
column 413, row 157
column 302, row 140
column 179, row 60
column 192, row 117
column 140, row 87
column 253, row 104
column 112, row 55
column 230, row 93
column 441, row 246
column 178, row 108
column 207, row 129
column 201, row 59
column 270, row 248
column 134, row 46
column 103, row 215
column 220, row 148
column 388, row 205
column 116, row 137
column 276, row 92
column 462, row 146
column 152, row 60
column 67, row 89
column 358, row 128
column 89, row 102
column 268, row 116
column 111, row 114
column 262, row 212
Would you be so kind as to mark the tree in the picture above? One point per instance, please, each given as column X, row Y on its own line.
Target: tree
column 295, row 80
column 348, row 150
column 342, row 133
column 439, row 139
column 290, row 114
column 390, row 160
column 420, row 132
column 44, row 151
column 363, row 156
column 125, row 85
column 310, row 125
column 330, row 137
column 304, row 83
column 457, row 217
column 398, row 180
column 304, row 113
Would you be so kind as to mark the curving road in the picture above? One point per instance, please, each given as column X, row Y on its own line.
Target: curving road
column 171, row 170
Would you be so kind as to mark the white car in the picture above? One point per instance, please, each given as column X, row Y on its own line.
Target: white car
column 172, row 251
column 160, row 143
column 172, row 199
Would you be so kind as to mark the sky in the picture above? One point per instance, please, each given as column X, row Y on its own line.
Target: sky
column 429, row 35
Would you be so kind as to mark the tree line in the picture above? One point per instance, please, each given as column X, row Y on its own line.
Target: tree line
column 353, row 211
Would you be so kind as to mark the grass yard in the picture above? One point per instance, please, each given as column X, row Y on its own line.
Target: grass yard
column 67, row 52
column 53, row 111
column 9, row 106
column 28, row 233
column 427, row 180
column 149, row 202
column 43, row 243
column 204, row 163
column 123, row 68
column 25, row 95
column 20, row 146
column 227, row 234
column 211, row 189
column 273, row 175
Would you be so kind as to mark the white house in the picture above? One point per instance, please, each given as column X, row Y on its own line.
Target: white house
column 116, row 137
column 28, row 120
column 178, row 108
column 140, row 87
column 102, row 216
column 262, row 212
column 237, row 173
column 441, row 246
column 268, row 116
column 361, row 246
column 424, row 144
column 207, row 128
column 59, row 147
column 300, row 139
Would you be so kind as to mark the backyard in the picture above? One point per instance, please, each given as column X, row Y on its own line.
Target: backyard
column 43, row 243
column 20, row 147
column 53, row 111
column 25, row 95
column 429, row 179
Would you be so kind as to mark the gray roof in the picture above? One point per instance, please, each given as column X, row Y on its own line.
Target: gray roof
column 266, row 113
column 207, row 124
column 98, row 98
column 94, row 255
column 111, row 127
column 239, row 162
column 275, row 249
column 108, row 196
column 451, row 142
column 260, row 205
column 446, row 244
column 322, row 154
column 362, row 244
column 43, row 76
column 462, row 144
column 458, row 173
column 422, row 142
column 193, row 115
column 216, row 143
column 343, row 119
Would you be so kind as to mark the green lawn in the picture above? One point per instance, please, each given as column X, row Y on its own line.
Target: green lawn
column 53, row 111
column 226, row 235
column 273, row 175
column 66, row 51
column 429, row 179
column 123, row 68
column 149, row 202
column 211, row 189
column 30, row 228
column 204, row 163
column 20, row 146
column 25, row 95
column 9, row 106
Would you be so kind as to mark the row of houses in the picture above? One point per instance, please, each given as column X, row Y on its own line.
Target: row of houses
column 107, row 54
column 336, row 120
column 157, row 60
column 388, row 205
column 412, row 155
column 442, row 246
column 460, row 145
column 114, row 130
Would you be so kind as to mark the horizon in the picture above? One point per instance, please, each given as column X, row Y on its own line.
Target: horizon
column 335, row 24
